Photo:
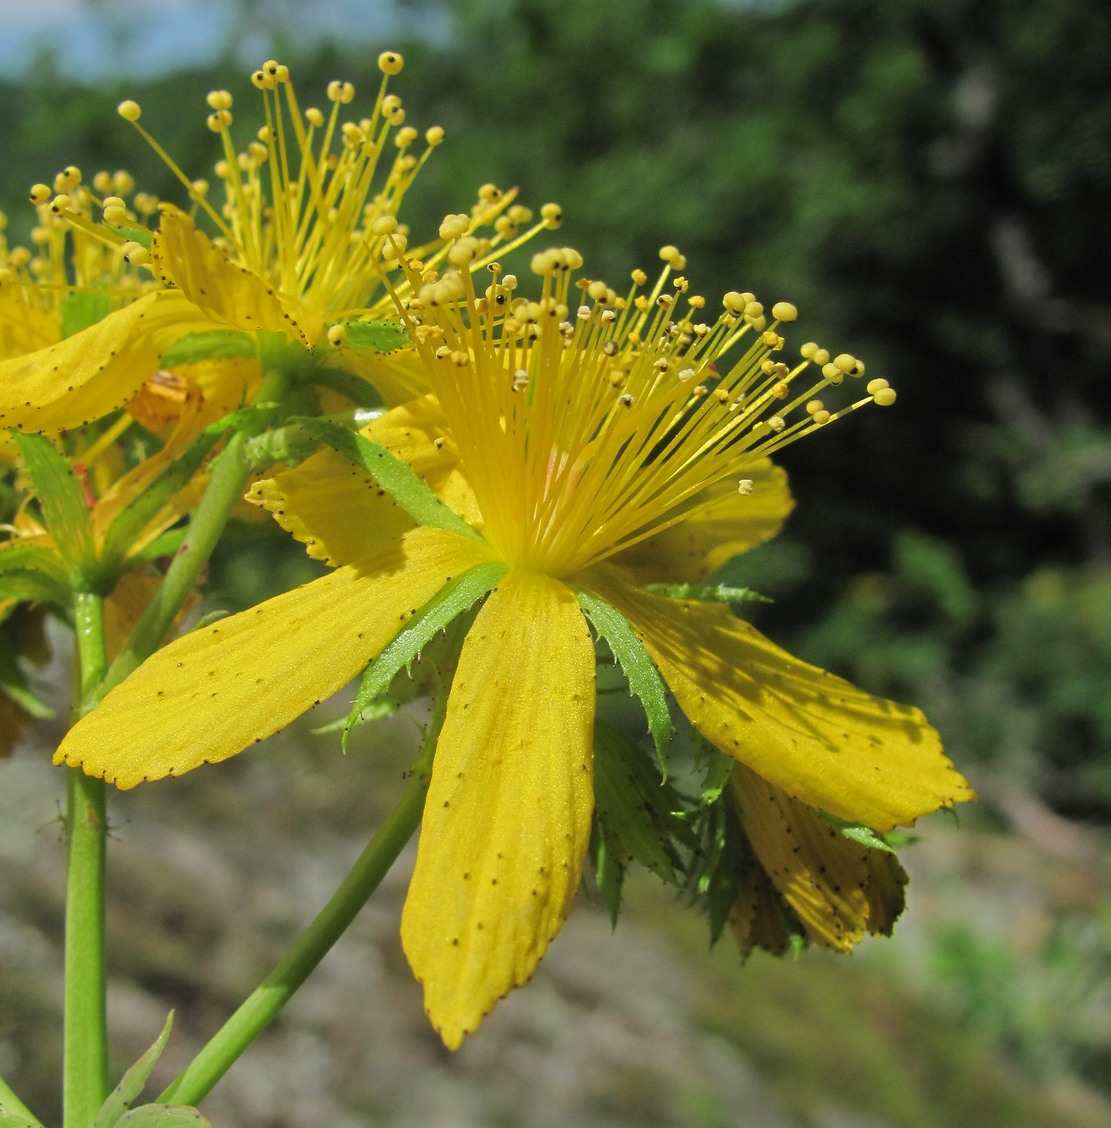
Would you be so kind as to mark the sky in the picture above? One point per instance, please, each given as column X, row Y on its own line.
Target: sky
column 99, row 37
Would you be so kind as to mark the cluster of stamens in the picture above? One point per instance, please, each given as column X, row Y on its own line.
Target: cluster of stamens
column 617, row 409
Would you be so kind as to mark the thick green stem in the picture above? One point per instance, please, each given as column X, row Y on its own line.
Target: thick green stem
column 315, row 942
column 85, row 1034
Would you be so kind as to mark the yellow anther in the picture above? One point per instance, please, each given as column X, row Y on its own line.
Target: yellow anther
column 129, row 110
column 781, row 390
column 848, row 364
column 552, row 215
column 885, row 397
column 832, row 373
column 135, row 253
column 745, row 486
column 817, row 412
column 464, row 252
column 734, row 302
column 772, row 340
column 314, row 117
column 784, row 311
column 219, row 100
column 40, row 194
column 434, row 135
column 341, row 92
column 218, row 121
column 673, row 257
column 384, row 225
column 405, row 137
column 390, row 62
column 455, row 226
column 337, row 335
column 753, row 309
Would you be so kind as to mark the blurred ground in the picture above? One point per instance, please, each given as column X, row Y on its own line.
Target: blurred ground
column 212, row 874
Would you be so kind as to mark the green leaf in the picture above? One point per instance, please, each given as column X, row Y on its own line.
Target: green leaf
column 138, row 235
column 377, row 336
column 82, row 309
column 13, row 683
column 32, row 573
column 163, row 1116
column 643, row 677
column 212, row 344
column 11, row 1120
column 397, row 478
column 638, row 813
column 858, row 832
column 119, row 1100
column 449, row 603
column 709, row 593
column 61, row 497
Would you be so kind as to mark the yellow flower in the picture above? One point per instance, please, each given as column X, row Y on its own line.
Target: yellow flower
column 589, row 445
column 294, row 252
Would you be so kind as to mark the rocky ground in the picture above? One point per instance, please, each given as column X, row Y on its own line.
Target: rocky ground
column 212, row 874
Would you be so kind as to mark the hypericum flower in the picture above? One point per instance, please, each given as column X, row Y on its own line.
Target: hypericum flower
column 293, row 250
column 574, row 433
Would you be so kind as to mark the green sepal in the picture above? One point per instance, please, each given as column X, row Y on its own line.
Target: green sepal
column 13, row 684
column 82, row 309
column 32, row 573
column 397, row 478
column 131, row 1085
column 709, row 593
column 134, row 518
column 636, row 816
column 858, row 832
column 211, row 344
column 374, row 336
column 138, row 235
column 61, row 499
column 11, row 1120
column 640, row 671
column 165, row 545
column 357, row 389
column 163, row 1116
column 446, row 605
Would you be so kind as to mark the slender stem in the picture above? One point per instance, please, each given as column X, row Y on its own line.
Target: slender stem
column 263, row 1004
column 85, row 1028
column 228, row 477
column 12, row 1105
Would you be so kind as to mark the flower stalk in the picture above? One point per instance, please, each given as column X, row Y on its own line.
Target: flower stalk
column 85, row 1035
column 263, row 1004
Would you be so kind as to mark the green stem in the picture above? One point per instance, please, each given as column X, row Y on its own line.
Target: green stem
column 264, row 1003
column 85, row 1030
column 228, row 476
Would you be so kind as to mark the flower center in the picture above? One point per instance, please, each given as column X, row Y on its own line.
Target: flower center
column 586, row 427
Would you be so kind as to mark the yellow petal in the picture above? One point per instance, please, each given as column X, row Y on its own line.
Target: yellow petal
column 507, row 820
column 338, row 510
column 819, row 738
column 185, row 257
column 212, row 693
column 24, row 328
column 837, row 887
column 96, row 371
column 727, row 523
